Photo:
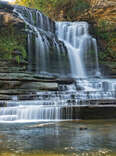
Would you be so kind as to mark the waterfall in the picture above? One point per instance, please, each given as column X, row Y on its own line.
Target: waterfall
column 59, row 105
column 96, row 54
column 65, row 49
column 79, row 43
column 43, row 45
column 68, row 44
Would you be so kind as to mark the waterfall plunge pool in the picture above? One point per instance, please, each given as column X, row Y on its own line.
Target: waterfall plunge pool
column 72, row 138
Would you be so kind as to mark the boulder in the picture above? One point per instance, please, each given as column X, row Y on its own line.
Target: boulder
column 7, row 18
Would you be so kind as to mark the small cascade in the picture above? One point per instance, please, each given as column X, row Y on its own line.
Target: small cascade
column 96, row 54
column 14, row 98
column 59, row 105
column 39, row 112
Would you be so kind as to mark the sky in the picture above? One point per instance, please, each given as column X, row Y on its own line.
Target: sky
column 8, row 0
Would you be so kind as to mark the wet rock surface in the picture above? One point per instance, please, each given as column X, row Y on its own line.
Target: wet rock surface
column 91, row 112
column 25, row 83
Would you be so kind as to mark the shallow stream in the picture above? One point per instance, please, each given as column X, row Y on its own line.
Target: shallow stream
column 71, row 138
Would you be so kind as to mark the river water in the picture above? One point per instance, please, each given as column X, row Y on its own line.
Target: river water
column 72, row 138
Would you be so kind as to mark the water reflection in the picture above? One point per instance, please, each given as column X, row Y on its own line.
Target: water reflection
column 64, row 137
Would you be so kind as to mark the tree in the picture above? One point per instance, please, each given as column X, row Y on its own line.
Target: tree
column 68, row 9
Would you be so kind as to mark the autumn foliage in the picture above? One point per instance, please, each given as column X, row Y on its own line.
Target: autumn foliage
column 58, row 9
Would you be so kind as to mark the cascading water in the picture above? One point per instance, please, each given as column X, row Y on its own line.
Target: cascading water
column 66, row 49
column 79, row 44
column 68, row 44
column 58, row 105
column 43, row 44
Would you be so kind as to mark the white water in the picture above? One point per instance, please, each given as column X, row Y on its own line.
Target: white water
column 79, row 43
column 58, row 105
column 67, row 44
column 41, row 41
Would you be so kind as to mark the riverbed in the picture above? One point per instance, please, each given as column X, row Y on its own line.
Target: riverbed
column 69, row 138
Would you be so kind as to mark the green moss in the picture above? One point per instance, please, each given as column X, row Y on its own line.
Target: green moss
column 12, row 40
column 106, row 36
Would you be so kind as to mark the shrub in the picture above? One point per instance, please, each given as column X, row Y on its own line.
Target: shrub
column 10, row 41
